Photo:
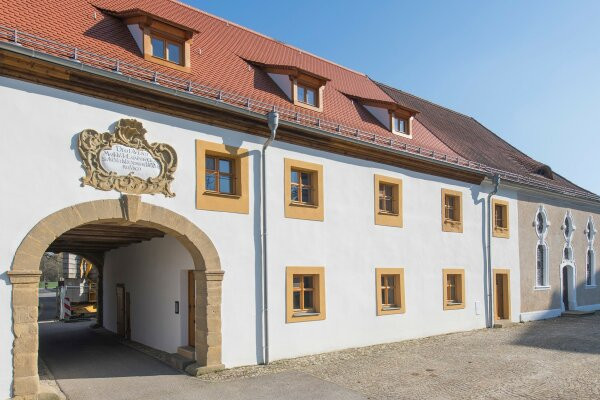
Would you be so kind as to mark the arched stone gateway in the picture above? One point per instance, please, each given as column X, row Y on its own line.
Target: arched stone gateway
column 24, row 276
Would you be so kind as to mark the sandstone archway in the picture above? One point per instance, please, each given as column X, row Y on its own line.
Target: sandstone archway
column 24, row 276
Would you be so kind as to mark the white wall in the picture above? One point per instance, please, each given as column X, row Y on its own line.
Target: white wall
column 155, row 275
column 284, row 83
column 382, row 115
column 39, row 138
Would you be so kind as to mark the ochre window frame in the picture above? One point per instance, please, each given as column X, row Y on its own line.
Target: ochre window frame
column 215, row 201
column 297, row 210
column 318, row 294
column 383, row 217
column 449, row 225
column 399, row 292
column 461, row 289
column 499, row 231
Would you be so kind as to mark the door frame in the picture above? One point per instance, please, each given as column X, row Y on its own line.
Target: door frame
column 505, row 295
column 191, row 296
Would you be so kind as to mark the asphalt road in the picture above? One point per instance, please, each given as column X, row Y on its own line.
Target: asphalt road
column 92, row 366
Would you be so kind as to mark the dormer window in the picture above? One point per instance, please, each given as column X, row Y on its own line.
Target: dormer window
column 305, row 89
column 166, row 49
column 395, row 118
column 399, row 125
column 160, row 41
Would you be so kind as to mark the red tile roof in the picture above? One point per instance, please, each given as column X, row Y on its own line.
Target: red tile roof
column 473, row 141
column 218, row 59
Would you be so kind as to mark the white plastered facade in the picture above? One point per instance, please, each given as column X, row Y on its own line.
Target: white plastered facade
column 39, row 139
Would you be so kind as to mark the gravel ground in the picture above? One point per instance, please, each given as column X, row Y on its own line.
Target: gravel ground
column 553, row 359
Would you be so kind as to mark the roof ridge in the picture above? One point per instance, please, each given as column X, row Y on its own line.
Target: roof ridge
column 422, row 99
column 269, row 38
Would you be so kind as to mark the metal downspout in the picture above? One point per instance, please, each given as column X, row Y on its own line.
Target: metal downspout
column 490, row 299
column 273, row 123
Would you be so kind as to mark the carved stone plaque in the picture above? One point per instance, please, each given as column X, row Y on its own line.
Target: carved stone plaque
column 125, row 161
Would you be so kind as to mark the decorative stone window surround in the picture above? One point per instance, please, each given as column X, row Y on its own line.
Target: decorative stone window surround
column 238, row 202
column 399, row 291
column 541, row 224
column 450, row 225
column 318, row 293
column 314, row 211
column 461, row 288
column 501, row 231
column 386, row 218
column 590, row 235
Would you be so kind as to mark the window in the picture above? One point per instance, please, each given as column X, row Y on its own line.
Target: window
column 454, row 289
column 222, row 178
column 590, row 268
column 301, row 187
column 400, row 122
column 451, row 211
column 307, row 95
column 541, row 262
column 307, row 92
column 166, row 50
column 500, row 218
column 388, row 201
column 590, row 265
column 399, row 125
column 305, row 287
column 303, row 190
column 390, row 290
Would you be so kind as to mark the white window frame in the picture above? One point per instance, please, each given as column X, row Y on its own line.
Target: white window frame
column 590, row 249
column 541, row 242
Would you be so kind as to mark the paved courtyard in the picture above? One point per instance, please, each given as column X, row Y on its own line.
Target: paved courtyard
column 554, row 359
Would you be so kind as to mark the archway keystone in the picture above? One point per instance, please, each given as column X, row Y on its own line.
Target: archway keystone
column 129, row 209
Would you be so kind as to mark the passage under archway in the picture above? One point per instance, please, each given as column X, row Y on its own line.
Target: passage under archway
column 76, row 229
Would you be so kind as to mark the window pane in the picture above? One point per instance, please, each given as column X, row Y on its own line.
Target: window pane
column 210, row 163
column 391, row 295
column 401, row 125
column 500, row 216
column 225, row 185
column 389, row 205
column 158, row 48
column 306, row 195
column 297, row 281
column 295, row 176
column 296, row 300
column 174, row 51
column 540, row 265
column 305, row 178
column 308, row 282
column 225, row 166
column 382, row 204
column 308, row 300
column 211, row 181
column 294, row 193
column 301, row 96
column 311, row 98
column 383, row 296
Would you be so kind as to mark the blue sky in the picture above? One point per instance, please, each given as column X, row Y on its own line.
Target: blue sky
column 528, row 70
